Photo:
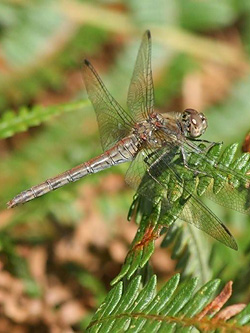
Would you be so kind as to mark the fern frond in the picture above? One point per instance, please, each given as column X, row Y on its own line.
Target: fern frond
column 12, row 123
column 222, row 178
column 175, row 307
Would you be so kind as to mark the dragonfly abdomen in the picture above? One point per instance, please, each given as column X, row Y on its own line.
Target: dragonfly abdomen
column 122, row 152
column 41, row 189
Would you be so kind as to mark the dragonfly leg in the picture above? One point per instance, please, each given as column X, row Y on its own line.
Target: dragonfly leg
column 185, row 162
column 207, row 141
column 148, row 157
column 184, row 157
column 211, row 143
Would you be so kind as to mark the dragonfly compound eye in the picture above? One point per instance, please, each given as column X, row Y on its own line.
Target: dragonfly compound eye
column 194, row 123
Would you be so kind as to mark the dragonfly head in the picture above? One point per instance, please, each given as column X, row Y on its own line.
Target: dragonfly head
column 194, row 123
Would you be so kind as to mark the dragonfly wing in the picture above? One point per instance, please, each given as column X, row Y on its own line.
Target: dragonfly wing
column 199, row 215
column 158, row 166
column 136, row 170
column 230, row 195
column 195, row 212
column 141, row 90
column 229, row 187
column 113, row 121
column 236, row 198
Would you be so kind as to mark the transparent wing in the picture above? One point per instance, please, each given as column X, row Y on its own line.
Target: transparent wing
column 114, row 123
column 158, row 166
column 141, row 91
column 196, row 213
column 228, row 187
column 230, row 197
column 136, row 170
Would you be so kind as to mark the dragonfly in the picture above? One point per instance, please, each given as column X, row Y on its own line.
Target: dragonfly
column 150, row 141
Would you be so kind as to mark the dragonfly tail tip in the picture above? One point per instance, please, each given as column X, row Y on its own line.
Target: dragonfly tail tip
column 10, row 204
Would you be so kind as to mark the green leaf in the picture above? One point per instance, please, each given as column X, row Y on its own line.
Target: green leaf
column 12, row 123
column 175, row 306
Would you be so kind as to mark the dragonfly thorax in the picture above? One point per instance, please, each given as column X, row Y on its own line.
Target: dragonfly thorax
column 146, row 130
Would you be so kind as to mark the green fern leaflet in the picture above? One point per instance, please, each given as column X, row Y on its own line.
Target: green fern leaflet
column 176, row 307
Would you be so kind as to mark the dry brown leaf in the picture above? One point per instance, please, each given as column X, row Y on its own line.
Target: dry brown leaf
column 212, row 83
column 112, row 184
column 217, row 303
column 7, row 281
column 37, row 261
column 229, row 312
column 246, row 144
column 118, row 250
column 71, row 312
column 7, row 326
column 162, row 262
column 57, row 294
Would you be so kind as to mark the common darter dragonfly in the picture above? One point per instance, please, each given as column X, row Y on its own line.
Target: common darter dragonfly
column 150, row 141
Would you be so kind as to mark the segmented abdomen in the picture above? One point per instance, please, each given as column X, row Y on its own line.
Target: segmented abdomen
column 123, row 151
